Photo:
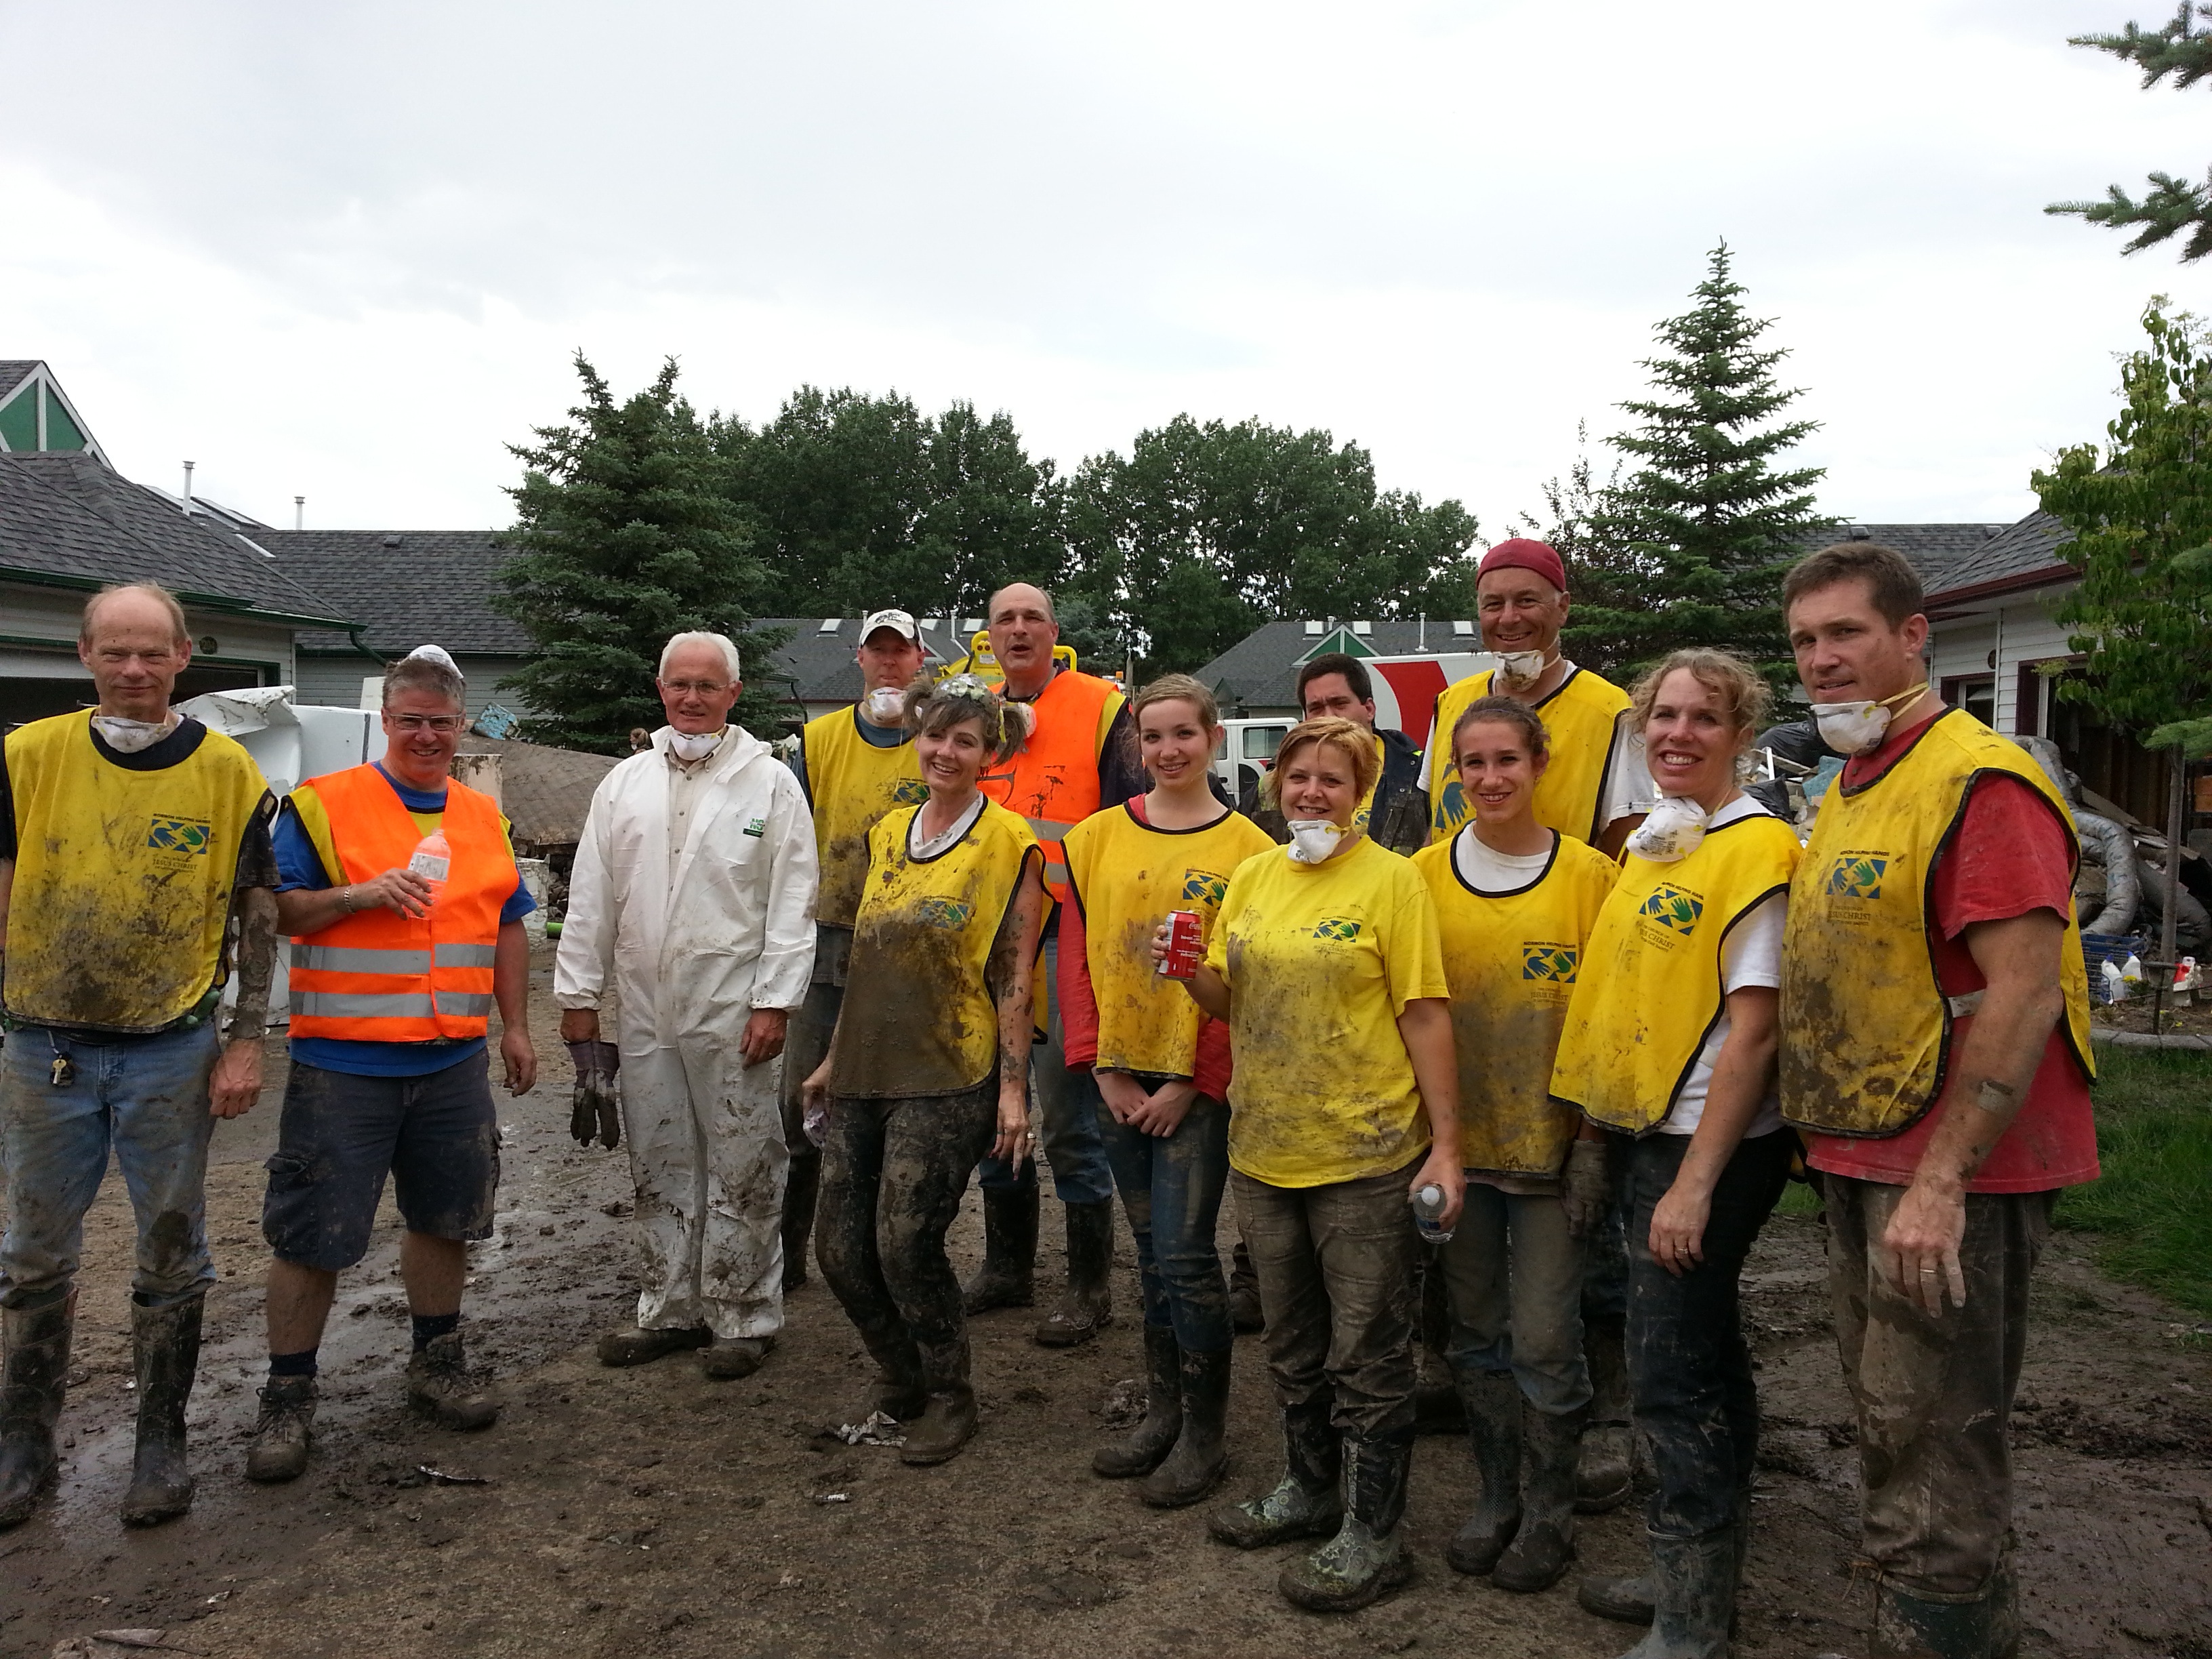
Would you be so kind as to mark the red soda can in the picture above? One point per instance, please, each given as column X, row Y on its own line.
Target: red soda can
column 1185, row 945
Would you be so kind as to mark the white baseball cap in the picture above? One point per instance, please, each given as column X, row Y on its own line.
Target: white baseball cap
column 898, row 621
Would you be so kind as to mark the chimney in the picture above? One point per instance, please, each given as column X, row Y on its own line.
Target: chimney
column 298, row 512
column 188, row 486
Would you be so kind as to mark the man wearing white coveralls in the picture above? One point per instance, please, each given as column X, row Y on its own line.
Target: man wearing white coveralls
column 691, row 905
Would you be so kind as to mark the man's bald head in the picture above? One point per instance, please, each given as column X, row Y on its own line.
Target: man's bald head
column 135, row 605
column 1024, row 595
column 132, row 640
column 1024, row 631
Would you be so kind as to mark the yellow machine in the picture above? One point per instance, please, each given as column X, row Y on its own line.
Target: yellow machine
column 979, row 660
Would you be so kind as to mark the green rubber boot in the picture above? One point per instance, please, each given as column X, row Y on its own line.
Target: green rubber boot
column 1305, row 1504
column 1366, row 1559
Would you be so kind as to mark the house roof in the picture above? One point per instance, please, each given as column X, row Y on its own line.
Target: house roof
column 14, row 373
column 67, row 519
column 1261, row 670
column 1933, row 549
column 410, row 587
column 817, row 659
column 2025, row 555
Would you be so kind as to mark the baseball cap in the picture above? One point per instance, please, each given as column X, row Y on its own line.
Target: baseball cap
column 898, row 621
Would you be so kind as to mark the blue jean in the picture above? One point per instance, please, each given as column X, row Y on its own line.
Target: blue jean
column 1072, row 1144
column 1171, row 1188
column 1513, row 1273
column 147, row 1099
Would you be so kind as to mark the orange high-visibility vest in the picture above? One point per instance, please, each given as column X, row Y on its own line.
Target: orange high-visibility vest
column 1052, row 782
column 376, row 975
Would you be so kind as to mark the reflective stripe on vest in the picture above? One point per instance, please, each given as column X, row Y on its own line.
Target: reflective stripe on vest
column 378, row 976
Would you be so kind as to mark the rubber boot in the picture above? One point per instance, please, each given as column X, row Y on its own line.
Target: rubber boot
column 1088, row 1307
column 1695, row 1578
column 1141, row 1450
column 1539, row 1555
column 166, row 1344
column 1492, row 1400
column 285, row 1431
column 35, row 1379
column 1245, row 1315
column 1908, row 1626
column 1605, row 1476
column 1199, row 1457
column 1305, row 1503
column 1366, row 1557
column 1009, row 1236
column 438, row 1386
column 948, row 1420
column 898, row 1391
column 802, row 1180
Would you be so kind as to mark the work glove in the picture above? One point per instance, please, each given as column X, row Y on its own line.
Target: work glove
column 595, row 1108
column 1585, row 1190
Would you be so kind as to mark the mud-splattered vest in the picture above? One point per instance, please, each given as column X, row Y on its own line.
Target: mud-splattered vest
column 1866, row 1031
column 850, row 784
column 1579, row 718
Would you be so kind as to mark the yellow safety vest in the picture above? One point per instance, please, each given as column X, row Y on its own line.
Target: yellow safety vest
column 919, row 1016
column 1866, row 1030
column 123, row 878
column 1650, row 991
column 1512, row 959
column 850, row 784
column 1579, row 718
column 1127, row 876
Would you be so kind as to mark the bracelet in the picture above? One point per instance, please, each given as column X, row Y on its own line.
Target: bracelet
column 346, row 899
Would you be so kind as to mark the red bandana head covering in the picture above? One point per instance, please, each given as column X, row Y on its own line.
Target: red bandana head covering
column 1523, row 553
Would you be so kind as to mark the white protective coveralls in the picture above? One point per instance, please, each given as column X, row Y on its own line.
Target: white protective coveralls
column 687, row 953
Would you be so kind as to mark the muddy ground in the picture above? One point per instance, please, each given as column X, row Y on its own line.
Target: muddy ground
column 649, row 1512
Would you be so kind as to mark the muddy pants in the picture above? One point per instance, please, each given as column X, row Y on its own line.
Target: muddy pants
column 1514, row 1276
column 1336, row 1283
column 892, row 1175
column 1171, row 1188
column 144, row 1098
column 1689, row 1367
column 1935, row 1395
column 1070, row 1140
column 706, row 1154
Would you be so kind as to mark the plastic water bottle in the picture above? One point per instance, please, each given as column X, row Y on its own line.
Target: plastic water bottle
column 432, row 861
column 1428, row 1213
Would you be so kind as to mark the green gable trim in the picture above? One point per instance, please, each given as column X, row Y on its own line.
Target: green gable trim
column 1343, row 640
column 61, row 431
column 19, row 418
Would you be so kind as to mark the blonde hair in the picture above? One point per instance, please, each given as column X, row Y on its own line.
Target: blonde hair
column 1744, row 696
column 940, row 705
column 1348, row 738
column 1177, row 688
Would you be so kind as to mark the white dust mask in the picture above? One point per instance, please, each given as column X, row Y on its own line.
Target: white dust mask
column 128, row 737
column 1671, row 832
column 690, row 746
column 1312, row 840
column 885, row 704
column 1853, row 728
column 1521, row 666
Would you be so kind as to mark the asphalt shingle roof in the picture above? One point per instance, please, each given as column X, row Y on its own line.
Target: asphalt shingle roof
column 1261, row 670
column 13, row 374
column 69, row 515
column 408, row 586
column 820, row 665
column 2023, row 550
column 1934, row 549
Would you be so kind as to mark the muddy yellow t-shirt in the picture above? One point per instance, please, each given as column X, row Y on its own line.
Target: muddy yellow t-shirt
column 1320, row 960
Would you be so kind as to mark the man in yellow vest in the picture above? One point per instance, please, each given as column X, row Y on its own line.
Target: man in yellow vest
column 1082, row 757
column 133, row 841
column 401, row 894
column 856, row 764
column 1934, row 1051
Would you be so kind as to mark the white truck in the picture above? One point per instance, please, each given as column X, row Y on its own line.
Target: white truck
column 1406, row 692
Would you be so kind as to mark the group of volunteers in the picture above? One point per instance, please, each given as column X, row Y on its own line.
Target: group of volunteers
column 1534, row 1029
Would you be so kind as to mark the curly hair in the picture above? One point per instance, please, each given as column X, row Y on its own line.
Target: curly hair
column 1743, row 694
column 940, row 705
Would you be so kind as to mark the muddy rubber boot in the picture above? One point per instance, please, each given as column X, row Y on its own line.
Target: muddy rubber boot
column 1492, row 1400
column 948, row 1421
column 802, row 1180
column 438, row 1385
column 1908, row 1626
column 731, row 1359
column 1438, row 1409
column 1199, row 1457
column 1543, row 1549
column 35, row 1379
column 1625, row 1600
column 1605, row 1476
column 1246, row 1317
column 635, row 1345
column 1695, row 1578
column 165, row 1346
column 1366, row 1557
column 1139, row 1451
column 1010, row 1234
column 1088, row 1307
column 1305, row 1503
column 284, row 1432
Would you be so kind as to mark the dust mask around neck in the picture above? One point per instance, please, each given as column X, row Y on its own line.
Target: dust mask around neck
column 128, row 737
column 1670, row 832
column 1853, row 728
column 885, row 704
column 1521, row 668
column 690, row 747
column 1314, row 840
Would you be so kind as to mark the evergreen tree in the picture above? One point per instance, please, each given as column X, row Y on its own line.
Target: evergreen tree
column 2171, row 206
column 626, row 533
column 1700, row 533
column 1605, row 576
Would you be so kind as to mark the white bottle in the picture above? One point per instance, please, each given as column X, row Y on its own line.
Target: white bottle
column 432, row 861
column 1428, row 1211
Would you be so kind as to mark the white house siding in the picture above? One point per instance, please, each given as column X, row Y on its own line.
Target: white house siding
column 2013, row 635
column 336, row 681
column 38, row 636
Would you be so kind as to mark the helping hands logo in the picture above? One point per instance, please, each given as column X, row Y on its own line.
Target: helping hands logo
column 1673, row 909
column 171, row 834
column 1204, row 887
column 1344, row 929
column 1857, row 875
column 1552, row 961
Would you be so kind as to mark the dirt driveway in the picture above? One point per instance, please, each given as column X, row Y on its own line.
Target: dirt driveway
column 642, row 1513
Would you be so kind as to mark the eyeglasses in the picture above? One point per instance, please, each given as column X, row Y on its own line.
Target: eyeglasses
column 438, row 723
column 695, row 688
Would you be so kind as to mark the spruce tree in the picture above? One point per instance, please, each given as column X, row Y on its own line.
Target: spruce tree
column 2171, row 206
column 1701, row 532
column 625, row 534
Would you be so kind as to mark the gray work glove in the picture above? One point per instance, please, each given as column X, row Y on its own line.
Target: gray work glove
column 594, row 1108
column 1585, row 1190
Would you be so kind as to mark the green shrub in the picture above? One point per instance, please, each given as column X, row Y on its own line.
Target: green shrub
column 2152, row 1211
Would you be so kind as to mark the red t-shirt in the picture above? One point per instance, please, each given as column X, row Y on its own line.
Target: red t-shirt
column 2009, row 857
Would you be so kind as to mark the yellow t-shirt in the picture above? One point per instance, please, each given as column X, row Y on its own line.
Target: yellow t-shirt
column 1127, row 876
column 1320, row 960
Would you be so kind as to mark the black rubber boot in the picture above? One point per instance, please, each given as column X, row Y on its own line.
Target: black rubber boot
column 948, row 1419
column 1605, row 1476
column 1199, row 1457
column 1695, row 1578
column 1539, row 1555
column 166, row 1344
column 1009, row 1236
column 1630, row 1600
column 35, row 1379
column 1088, row 1307
column 1438, row 1409
column 1305, row 1503
column 1245, row 1315
column 1366, row 1557
column 1492, row 1400
column 1908, row 1626
column 899, row 1391
column 1139, row 1451
column 802, row 1180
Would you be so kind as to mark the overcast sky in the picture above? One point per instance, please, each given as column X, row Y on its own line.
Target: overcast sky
column 346, row 251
